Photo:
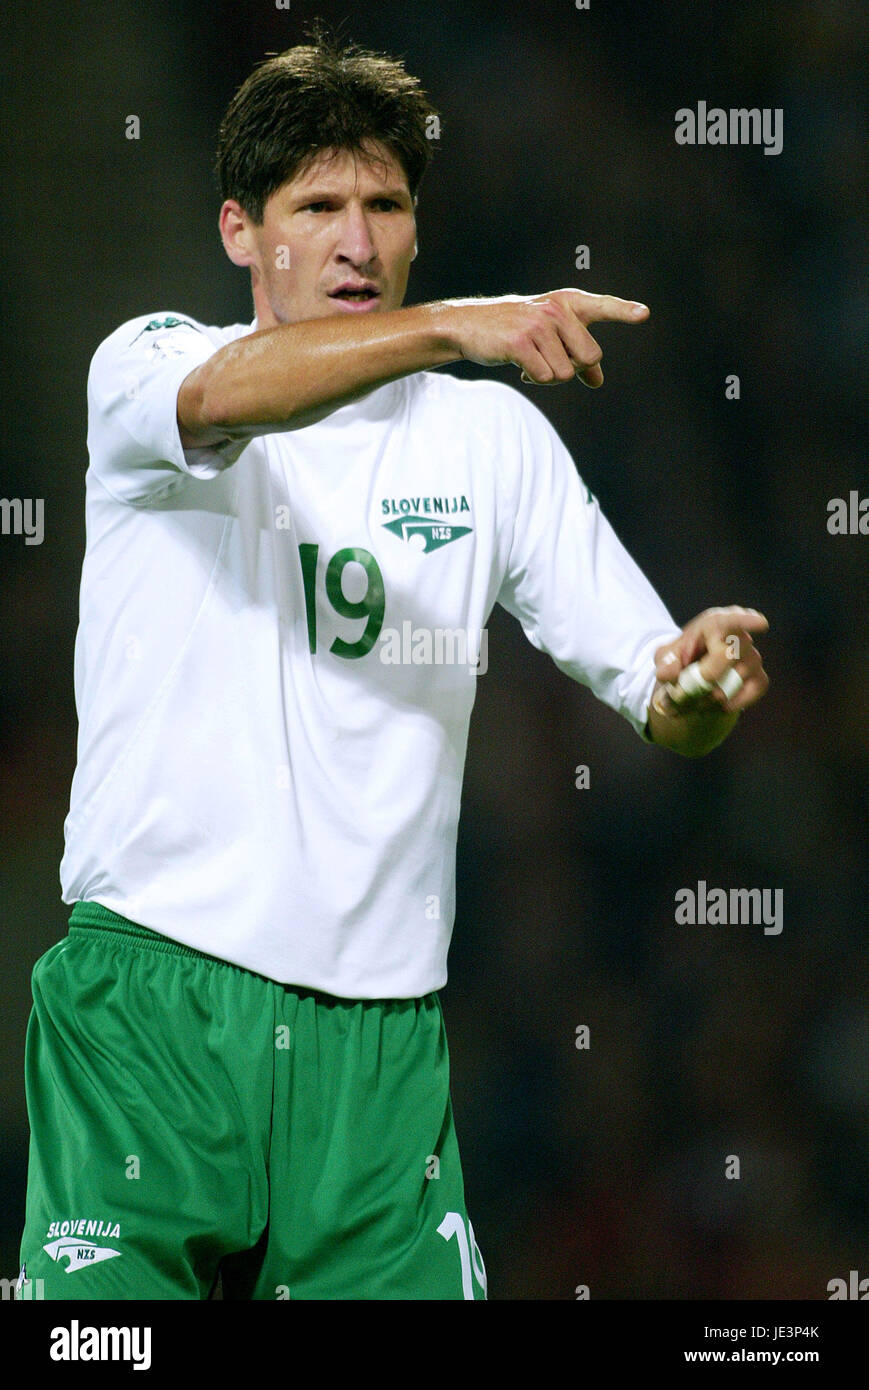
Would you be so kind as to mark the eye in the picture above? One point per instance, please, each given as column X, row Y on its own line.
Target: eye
column 386, row 203
column 315, row 207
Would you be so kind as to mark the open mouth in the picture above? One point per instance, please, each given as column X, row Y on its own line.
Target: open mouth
column 366, row 296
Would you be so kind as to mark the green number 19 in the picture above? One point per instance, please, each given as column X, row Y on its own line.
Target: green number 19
column 371, row 606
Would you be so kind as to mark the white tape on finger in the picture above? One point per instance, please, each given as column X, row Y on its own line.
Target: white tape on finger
column 690, row 684
column 730, row 682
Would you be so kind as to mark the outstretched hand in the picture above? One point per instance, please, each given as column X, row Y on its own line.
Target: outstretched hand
column 545, row 335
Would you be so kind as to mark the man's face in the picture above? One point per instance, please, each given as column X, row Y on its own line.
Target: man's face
column 342, row 222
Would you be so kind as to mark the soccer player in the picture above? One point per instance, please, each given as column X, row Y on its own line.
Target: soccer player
column 236, row 1063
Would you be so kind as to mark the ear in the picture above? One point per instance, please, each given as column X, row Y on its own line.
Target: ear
column 237, row 234
column 415, row 249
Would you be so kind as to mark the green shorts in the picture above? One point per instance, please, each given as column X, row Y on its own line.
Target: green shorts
column 192, row 1120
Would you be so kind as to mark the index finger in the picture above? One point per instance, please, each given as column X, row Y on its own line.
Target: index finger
column 597, row 308
column 723, row 619
column 715, row 626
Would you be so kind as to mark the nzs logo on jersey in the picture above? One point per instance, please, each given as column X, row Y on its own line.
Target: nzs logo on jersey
column 426, row 523
column 164, row 345
column 168, row 322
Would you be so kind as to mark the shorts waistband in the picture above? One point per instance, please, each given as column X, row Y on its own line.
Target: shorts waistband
column 93, row 917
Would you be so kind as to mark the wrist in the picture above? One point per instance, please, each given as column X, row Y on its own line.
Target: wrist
column 444, row 320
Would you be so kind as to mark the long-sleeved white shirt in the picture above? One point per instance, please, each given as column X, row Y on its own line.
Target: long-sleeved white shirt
column 278, row 650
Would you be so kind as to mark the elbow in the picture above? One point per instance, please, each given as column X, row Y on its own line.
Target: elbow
column 204, row 412
column 212, row 404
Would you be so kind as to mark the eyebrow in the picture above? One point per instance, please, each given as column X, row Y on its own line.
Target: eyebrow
column 320, row 195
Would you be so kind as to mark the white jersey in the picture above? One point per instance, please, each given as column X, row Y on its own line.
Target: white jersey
column 278, row 650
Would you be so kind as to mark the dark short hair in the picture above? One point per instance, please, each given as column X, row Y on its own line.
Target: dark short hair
column 312, row 99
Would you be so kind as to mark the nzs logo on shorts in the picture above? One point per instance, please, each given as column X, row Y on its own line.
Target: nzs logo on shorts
column 426, row 523
column 65, row 1242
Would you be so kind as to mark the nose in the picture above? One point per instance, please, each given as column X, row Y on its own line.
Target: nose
column 355, row 243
